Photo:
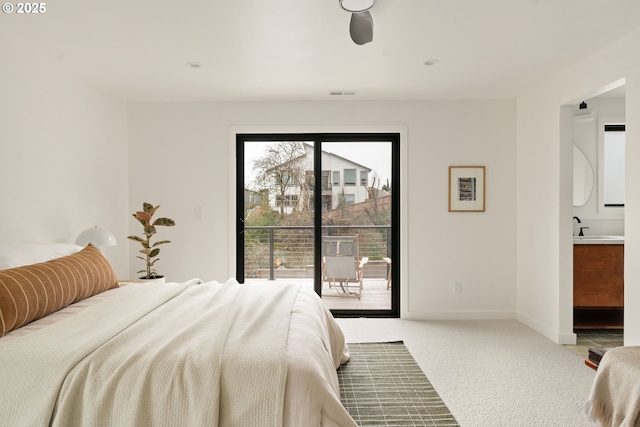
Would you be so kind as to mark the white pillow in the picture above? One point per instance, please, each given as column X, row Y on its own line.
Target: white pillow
column 20, row 254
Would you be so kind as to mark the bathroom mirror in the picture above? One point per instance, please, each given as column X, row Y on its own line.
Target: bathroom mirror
column 582, row 177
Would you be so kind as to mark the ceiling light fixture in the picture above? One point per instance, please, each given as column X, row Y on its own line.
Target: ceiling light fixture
column 193, row 64
column 357, row 6
column 361, row 24
column 583, row 114
column 430, row 62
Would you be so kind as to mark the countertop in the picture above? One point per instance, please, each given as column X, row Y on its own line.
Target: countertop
column 598, row 240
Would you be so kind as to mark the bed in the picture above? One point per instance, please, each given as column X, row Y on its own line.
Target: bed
column 615, row 394
column 86, row 351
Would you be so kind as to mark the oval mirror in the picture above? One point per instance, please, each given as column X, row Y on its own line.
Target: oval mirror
column 582, row 177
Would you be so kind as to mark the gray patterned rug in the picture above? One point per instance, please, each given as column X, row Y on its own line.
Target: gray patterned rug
column 382, row 385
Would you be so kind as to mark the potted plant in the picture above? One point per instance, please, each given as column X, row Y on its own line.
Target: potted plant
column 150, row 251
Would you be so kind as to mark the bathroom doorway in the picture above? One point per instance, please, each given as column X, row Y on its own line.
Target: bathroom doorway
column 598, row 223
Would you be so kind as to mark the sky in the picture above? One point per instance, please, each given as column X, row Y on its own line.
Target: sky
column 374, row 155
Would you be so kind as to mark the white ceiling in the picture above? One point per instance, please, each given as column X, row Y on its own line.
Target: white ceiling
column 300, row 49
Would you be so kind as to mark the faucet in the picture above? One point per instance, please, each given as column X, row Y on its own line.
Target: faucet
column 581, row 228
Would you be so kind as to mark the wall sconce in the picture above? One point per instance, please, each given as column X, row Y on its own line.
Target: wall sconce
column 583, row 114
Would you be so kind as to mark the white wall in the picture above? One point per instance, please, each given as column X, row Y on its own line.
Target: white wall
column 179, row 158
column 63, row 148
column 544, row 170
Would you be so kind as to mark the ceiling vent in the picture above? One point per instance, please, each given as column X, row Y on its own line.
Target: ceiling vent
column 342, row 92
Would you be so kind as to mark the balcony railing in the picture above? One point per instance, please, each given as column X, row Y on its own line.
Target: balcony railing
column 287, row 251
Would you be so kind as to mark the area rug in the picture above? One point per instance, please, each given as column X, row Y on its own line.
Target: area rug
column 382, row 385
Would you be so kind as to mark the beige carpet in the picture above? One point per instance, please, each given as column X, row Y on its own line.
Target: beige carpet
column 490, row 373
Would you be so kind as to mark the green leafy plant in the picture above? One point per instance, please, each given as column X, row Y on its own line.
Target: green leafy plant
column 150, row 251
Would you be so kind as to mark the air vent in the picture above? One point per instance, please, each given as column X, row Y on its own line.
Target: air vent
column 342, row 92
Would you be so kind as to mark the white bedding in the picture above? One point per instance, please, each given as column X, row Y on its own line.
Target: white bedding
column 615, row 395
column 87, row 366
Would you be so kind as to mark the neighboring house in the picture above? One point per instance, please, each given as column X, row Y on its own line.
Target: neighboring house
column 343, row 182
column 251, row 198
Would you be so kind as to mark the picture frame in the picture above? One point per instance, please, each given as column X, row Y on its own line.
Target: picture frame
column 467, row 188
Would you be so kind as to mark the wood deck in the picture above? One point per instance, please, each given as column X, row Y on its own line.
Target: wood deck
column 375, row 295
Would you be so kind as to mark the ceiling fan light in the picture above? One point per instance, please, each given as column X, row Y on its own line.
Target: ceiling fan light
column 357, row 6
column 361, row 28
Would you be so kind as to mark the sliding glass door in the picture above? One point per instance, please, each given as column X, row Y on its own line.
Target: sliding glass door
column 321, row 210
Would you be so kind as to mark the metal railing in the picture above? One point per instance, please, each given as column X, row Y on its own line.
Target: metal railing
column 289, row 249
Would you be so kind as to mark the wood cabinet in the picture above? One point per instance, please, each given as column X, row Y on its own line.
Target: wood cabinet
column 598, row 285
column 598, row 275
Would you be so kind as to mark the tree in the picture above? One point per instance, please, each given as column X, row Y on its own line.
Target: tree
column 282, row 166
column 387, row 187
column 376, row 214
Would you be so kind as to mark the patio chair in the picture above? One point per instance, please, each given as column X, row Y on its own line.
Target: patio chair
column 342, row 266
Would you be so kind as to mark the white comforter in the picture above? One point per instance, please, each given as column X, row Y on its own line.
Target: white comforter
column 180, row 355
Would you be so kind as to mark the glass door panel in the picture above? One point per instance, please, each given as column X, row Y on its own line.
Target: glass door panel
column 278, row 207
column 356, row 225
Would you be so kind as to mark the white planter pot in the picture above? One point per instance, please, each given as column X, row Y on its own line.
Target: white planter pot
column 159, row 279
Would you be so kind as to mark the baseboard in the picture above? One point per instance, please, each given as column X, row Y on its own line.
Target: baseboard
column 553, row 334
column 459, row 315
column 570, row 338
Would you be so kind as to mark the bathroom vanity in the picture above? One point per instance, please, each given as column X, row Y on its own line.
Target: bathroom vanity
column 598, row 282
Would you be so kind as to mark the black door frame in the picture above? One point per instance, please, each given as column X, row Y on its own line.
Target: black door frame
column 318, row 139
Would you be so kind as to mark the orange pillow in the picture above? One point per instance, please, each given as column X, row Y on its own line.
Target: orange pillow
column 33, row 291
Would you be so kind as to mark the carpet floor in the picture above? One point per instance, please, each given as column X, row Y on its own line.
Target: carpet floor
column 490, row 373
column 382, row 385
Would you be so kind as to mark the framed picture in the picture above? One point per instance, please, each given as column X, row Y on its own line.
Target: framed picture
column 466, row 188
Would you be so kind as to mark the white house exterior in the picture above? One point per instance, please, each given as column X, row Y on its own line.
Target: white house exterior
column 339, row 177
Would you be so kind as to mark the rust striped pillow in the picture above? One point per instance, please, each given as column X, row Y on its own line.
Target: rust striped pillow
column 33, row 291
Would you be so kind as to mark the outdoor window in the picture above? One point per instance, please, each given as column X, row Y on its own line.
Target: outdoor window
column 364, row 178
column 326, row 185
column 336, row 177
column 289, row 179
column 350, row 199
column 349, row 177
column 614, row 149
column 290, row 200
